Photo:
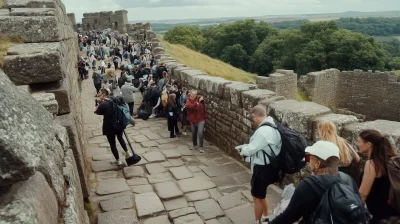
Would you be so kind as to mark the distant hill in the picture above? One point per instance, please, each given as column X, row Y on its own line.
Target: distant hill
column 165, row 25
column 277, row 18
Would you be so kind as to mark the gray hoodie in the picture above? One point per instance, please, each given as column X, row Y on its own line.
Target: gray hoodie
column 128, row 92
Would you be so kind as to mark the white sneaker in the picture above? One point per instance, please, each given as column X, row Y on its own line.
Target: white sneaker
column 184, row 133
column 152, row 117
column 201, row 150
column 119, row 162
column 129, row 154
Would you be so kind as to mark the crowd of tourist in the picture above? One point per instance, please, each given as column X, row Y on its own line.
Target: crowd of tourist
column 334, row 193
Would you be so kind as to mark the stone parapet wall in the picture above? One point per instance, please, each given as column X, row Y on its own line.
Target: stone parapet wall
column 373, row 94
column 228, row 107
column 45, row 65
column 39, row 180
column 283, row 82
column 141, row 32
column 71, row 16
column 117, row 20
column 321, row 87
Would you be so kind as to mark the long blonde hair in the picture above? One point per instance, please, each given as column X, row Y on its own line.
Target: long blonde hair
column 327, row 131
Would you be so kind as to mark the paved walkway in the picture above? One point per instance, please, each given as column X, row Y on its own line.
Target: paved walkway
column 172, row 184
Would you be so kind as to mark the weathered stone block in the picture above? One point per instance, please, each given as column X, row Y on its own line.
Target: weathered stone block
column 29, row 142
column 30, row 4
column 253, row 97
column 178, row 71
column 67, row 121
column 48, row 101
column 75, row 213
column 148, row 204
column 33, row 63
column 390, row 129
column 31, row 201
column 60, row 90
column 214, row 85
column 32, row 29
column 121, row 216
column 298, row 115
column 158, row 50
column 233, row 92
column 187, row 76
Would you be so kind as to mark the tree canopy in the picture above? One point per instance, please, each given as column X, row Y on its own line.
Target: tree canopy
column 261, row 48
column 374, row 26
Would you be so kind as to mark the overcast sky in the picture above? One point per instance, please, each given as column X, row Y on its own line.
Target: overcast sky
column 192, row 9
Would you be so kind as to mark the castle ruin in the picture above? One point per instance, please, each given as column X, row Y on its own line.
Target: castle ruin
column 44, row 175
column 117, row 20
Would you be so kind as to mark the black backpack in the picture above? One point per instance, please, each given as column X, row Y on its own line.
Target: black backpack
column 393, row 171
column 291, row 158
column 340, row 202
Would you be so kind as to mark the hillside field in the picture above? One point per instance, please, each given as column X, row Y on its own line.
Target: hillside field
column 210, row 65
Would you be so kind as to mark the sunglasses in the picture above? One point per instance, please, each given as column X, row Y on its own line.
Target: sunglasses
column 307, row 157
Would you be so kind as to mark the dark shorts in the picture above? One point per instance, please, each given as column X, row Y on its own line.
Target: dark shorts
column 262, row 177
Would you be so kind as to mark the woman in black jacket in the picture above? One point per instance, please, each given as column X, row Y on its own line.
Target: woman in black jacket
column 172, row 115
column 105, row 107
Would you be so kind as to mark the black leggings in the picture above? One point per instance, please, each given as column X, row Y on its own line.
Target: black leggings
column 113, row 143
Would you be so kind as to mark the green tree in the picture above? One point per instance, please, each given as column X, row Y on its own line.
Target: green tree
column 395, row 63
column 190, row 36
column 354, row 50
column 311, row 58
column 236, row 56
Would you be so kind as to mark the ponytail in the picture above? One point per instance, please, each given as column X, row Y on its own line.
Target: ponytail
column 382, row 149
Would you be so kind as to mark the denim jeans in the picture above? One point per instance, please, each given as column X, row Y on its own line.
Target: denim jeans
column 198, row 129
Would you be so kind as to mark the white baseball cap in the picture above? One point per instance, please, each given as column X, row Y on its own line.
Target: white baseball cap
column 323, row 150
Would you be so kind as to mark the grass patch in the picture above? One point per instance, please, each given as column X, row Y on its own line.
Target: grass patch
column 398, row 75
column 89, row 208
column 301, row 97
column 205, row 63
column 5, row 43
column 1, row 3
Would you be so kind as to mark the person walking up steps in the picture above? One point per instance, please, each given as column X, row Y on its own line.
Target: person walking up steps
column 96, row 80
column 105, row 107
column 196, row 116
column 266, row 139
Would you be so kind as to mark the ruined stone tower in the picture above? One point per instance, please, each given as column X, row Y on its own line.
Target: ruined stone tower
column 102, row 20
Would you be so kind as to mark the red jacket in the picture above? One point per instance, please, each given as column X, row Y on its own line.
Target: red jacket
column 195, row 111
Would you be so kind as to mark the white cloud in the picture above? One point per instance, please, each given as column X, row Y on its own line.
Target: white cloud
column 191, row 9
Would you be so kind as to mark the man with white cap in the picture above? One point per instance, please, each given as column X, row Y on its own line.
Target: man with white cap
column 323, row 160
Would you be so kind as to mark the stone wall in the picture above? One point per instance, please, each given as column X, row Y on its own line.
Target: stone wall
column 321, row 87
column 372, row 94
column 141, row 32
column 41, row 124
column 228, row 105
column 283, row 82
column 71, row 16
column 102, row 20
